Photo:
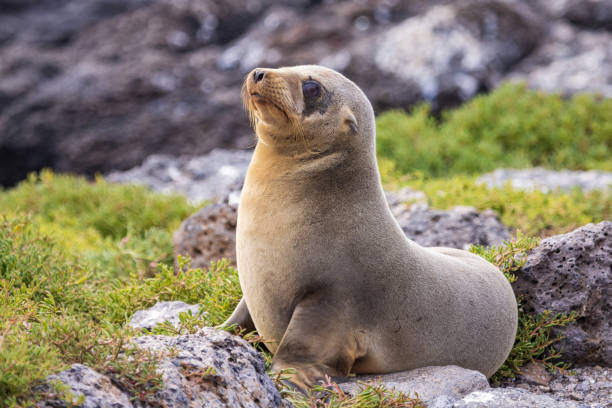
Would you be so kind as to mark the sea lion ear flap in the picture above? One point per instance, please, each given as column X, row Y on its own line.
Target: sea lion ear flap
column 349, row 121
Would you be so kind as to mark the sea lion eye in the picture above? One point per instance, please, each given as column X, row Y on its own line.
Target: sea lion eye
column 311, row 89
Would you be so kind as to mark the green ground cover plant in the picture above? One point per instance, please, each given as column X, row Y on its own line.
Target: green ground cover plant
column 510, row 127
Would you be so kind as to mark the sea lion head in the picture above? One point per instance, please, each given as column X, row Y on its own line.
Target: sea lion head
column 307, row 109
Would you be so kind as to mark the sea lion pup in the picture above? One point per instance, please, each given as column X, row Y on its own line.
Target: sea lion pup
column 329, row 279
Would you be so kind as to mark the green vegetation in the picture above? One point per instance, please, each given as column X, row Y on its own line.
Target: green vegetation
column 510, row 127
column 76, row 260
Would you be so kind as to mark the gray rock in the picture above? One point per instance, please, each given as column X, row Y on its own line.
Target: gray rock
column 590, row 385
column 458, row 227
column 97, row 389
column 569, row 61
column 511, row 397
column 212, row 369
column 213, row 176
column 434, row 385
column 161, row 312
column 590, row 13
column 208, row 235
column 548, row 180
column 455, row 50
column 401, row 200
column 573, row 273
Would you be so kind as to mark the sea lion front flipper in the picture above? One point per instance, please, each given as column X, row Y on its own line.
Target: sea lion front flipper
column 316, row 343
column 241, row 317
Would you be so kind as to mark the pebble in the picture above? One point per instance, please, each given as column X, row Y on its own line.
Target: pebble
column 592, row 386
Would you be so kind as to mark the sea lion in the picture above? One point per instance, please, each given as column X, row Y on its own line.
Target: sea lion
column 329, row 279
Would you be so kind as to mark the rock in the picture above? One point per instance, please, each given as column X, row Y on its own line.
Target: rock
column 534, row 373
column 98, row 390
column 208, row 235
column 212, row 368
column 430, row 383
column 215, row 176
column 573, row 273
column 458, row 227
column 400, row 200
column 590, row 13
column 569, row 61
column 80, row 92
column 453, row 51
column 161, row 312
column 547, row 180
column 511, row 397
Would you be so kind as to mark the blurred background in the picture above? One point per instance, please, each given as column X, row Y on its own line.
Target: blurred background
column 92, row 86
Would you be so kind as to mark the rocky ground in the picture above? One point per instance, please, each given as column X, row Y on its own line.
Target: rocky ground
column 82, row 90
column 590, row 386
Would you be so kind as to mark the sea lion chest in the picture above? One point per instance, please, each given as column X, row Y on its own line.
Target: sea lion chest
column 278, row 231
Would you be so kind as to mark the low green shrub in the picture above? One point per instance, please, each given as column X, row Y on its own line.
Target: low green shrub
column 510, row 127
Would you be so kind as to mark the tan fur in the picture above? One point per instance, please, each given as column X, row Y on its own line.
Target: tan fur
column 328, row 277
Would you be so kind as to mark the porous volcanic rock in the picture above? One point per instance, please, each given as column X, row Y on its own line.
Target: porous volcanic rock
column 212, row 369
column 458, row 227
column 431, row 384
column 208, row 235
column 573, row 273
column 98, row 390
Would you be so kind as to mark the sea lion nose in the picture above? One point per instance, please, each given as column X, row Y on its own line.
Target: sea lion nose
column 258, row 75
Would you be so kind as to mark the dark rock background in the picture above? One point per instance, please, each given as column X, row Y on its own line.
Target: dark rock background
column 98, row 85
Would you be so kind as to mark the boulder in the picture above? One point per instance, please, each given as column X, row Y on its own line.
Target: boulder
column 160, row 313
column 97, row 390
column 215, row 176
column 511, row 398
column 573, row 273
column 431, row 384
column 208, row 235
column 590, row 13
column 458, row 227
column 212, row 368
column 569, row 61
column 548, row 180
column 80, row 92
column 453, row 51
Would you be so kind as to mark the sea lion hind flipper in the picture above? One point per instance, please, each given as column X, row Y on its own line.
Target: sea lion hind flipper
column 240, row 317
